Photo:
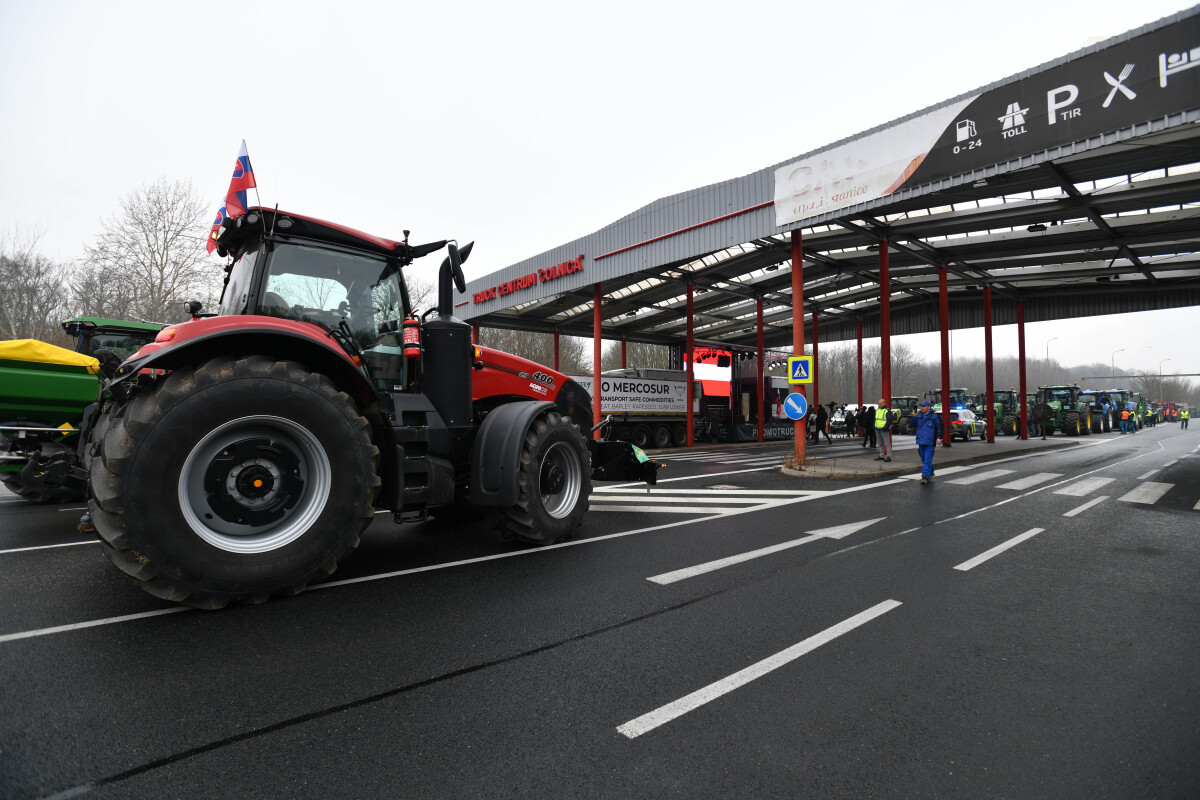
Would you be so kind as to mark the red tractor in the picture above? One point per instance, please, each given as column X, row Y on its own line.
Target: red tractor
column 243, row 452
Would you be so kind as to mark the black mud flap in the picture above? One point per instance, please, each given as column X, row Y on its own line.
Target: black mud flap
column 622, row 461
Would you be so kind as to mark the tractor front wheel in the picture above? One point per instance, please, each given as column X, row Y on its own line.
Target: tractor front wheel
column 232, row 481
column 555, row 481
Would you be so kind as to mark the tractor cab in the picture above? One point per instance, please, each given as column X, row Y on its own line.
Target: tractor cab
column 959, row 399
column 121, row 338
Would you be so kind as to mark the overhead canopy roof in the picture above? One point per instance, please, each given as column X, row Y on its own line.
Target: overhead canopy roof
column 1074, row 187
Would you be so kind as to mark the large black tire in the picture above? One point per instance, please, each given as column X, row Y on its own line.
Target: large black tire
column 59, row 494
column 1085, row 423
column 1010, row 425
column 1097, row 422
column 662, row 436
column 555, row 481
column 232, row 481
column 679, row 434
column 1070, row 426
column 902, row 426
column 640, row 435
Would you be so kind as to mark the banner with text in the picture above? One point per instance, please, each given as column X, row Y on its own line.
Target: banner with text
column 637, row 395
column 1148, row 77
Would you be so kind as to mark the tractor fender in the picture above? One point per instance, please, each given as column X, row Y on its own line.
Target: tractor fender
column 496, row 457
column 276, row 342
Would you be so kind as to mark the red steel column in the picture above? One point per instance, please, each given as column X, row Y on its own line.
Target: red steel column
column 987, row 359
column 1021, row 367
column 816, row 371
column 556, row 349
column 475, row 334
column 798, row 332
column 858, row 326
column 885, row 324
column 761, row 392
column 944, row 326
column 624, row 341
column 690, row 372
column 596, row 359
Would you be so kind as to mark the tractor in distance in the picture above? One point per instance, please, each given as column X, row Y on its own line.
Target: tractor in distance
column 959, row 398
column 1061, row 409
column 1007, row 411
column 1104, row 413
column 905, row 406
column 47, row 393
column 243, row 453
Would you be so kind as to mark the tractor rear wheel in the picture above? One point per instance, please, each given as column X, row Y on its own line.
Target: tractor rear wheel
column 232, row 481
column 555, row 481
column 1009, row 426
column 1070, row 423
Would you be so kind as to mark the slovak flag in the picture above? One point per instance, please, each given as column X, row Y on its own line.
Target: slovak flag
column 235, row 199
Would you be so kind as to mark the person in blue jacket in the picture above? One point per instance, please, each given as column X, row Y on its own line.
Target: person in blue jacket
column 928, row 429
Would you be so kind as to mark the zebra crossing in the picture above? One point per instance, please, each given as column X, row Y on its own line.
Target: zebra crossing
column 706, row 502
column 1145, row 492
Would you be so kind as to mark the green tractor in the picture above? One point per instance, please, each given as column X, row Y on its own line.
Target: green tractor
column 1061, row 409
column 905, row 406
column 959, row 398
column 45, row 395
column 1007, row 405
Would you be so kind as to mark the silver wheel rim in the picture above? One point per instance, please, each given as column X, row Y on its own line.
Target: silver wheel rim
column 312, row 470
column 562, row 456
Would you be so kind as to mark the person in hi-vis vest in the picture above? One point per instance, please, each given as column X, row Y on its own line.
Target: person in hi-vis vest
column 883, row 431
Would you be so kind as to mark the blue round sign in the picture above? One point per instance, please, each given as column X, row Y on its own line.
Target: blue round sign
column 796, row 406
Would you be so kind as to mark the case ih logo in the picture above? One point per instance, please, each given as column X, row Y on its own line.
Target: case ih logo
column 532, row 279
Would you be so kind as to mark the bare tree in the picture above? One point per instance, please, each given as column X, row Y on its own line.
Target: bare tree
column 574, row 355
column 32, row 288
column 150, row 257
column 637, row 355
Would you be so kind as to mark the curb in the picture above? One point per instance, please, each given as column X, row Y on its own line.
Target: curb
column 833, row 471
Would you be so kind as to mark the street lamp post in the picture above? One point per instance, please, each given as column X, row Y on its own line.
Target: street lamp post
column 1113, row 363
column 1160, row 391
column 1048, row 341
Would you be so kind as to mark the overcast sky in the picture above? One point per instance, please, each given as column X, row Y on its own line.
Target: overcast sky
column 518, row 125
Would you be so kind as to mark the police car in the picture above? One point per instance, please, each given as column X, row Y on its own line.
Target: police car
column 964, row 424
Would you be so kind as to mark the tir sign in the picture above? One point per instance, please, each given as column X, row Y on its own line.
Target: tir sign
column 800, row 369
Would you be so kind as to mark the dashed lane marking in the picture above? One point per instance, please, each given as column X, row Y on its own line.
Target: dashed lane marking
column 666, row 510
column 47, row 546
column 660, row 716
column 997, row 550
column 1148, row 474
column 1074, row 512
column 838, row 532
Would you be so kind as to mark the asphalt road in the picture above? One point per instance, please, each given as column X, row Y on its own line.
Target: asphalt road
column 1024, row 627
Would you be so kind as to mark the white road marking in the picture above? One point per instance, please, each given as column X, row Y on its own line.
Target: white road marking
column 1169, row 463
column 982, row 476
column 1085, row 487
column 1148, row 493
column 1147, row 475
column 12, row 637
column 997, row 550
column 838, row 532
column 1030, row 481
column 764, row 492
column 1074, row 512
column 666, row 510
column 81, row 508
column 613, row 497
column 663, row 715
column 1197, row 506
column 916, row 476
column 47, row 546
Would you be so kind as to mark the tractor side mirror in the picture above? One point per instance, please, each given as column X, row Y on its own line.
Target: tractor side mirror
column 456, row 272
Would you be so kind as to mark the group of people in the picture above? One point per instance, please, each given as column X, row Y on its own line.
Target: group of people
column 874, row 425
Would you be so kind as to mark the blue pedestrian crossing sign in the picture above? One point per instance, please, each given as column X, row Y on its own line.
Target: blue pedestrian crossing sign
column 796, row 406
column 800, row 369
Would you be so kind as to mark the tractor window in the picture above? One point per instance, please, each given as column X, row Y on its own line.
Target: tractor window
column 326, row 286
column 233, row 298
column 123, row 344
